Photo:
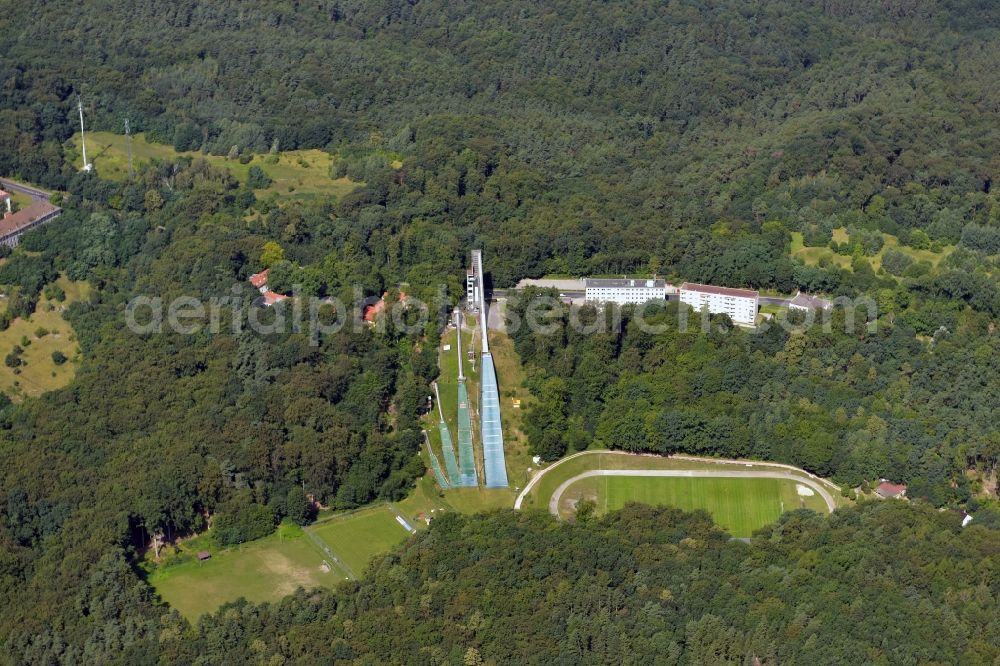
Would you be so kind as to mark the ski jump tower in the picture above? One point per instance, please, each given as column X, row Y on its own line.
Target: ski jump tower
column 489, row 395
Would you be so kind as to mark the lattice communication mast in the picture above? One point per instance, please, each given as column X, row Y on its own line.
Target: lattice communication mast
column 87, row 166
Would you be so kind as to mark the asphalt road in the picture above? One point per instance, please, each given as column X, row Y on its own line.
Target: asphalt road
column 33, row 192
column 690, row 473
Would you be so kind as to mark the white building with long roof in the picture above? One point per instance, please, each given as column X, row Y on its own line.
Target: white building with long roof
column 740, row 304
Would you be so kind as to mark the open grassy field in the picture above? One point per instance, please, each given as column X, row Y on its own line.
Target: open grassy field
column 270, row 568
column 474, row 500
column 767, row 308
column 739, row 506
column 357, row 537
column 297, row 173
column 38, row 372
column 263, row 570
column 20, row 200
column 892, row 243
column 425, row 500
column 812, row 256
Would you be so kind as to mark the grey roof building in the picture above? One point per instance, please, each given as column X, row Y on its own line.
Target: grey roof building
column 808, row 302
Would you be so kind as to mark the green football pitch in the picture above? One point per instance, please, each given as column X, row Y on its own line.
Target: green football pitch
column 270, row 568
column 739, row 506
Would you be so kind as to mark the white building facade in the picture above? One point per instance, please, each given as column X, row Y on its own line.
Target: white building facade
column 740, row 304
column 624, row 291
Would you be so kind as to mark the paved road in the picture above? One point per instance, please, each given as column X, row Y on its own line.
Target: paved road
column 560, row 284
column 33, row 192
column 689, row 473
column 499, row 294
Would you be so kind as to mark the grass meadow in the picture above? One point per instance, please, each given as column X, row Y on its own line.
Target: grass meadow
column 297, row 173
column 263, row 570
column 38, row 373
column 20, row 199
column 812, row 256
column 273, row 567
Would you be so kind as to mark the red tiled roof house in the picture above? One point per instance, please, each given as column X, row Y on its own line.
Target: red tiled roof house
column 259, row 280
column 888, row 490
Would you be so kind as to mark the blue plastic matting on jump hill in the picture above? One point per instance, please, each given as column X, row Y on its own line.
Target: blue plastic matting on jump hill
column 448, row 451
column 466, row 455
column 442, row 480
column 489, row 411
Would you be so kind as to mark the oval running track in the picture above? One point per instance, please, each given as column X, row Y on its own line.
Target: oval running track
column 798, row 474
column 690, row 473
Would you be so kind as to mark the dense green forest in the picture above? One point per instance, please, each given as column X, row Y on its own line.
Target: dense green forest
column 689, row 138
column 564, row 137
column 160, row 433
column 880, row 584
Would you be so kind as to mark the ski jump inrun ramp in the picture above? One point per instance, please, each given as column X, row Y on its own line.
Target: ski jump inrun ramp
column 489, row 403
